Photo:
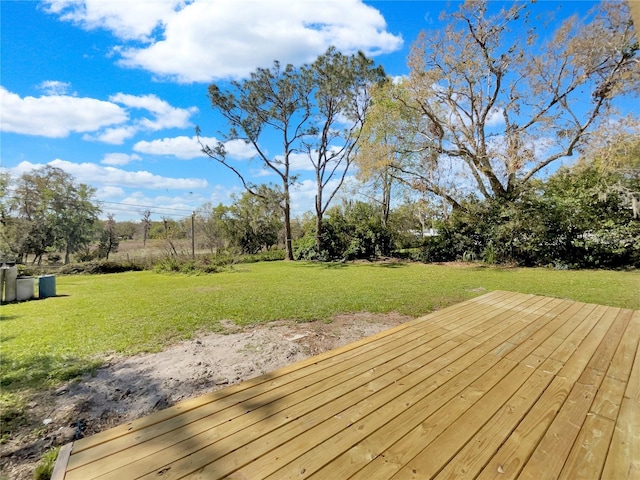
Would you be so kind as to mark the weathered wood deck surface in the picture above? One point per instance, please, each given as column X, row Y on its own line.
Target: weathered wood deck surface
column 503, row 386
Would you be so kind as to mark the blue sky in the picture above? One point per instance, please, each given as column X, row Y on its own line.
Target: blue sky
column 110, row 91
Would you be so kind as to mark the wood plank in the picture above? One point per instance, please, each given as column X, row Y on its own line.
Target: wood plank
column 633, row 387
column 472, row 458
column 620, row 367
column 443, row 443
column 447, row 362
column 609, row 398
column 304, row 401
column 550, row 455
column 540, row 332
column 571, row 343
column 532, row 324
column 60, row 467
column 623, row 459
column 579, row 359
column 573, row 327
column 589, row 451
column 508, row 462
column 446, row 404
column 386, row 404
column 151, row 461
column 603, row 356
column 513, row 454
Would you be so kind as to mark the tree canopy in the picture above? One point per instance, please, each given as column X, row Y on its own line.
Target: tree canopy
column 48, row 211
column 315, row 110
column 485, row 110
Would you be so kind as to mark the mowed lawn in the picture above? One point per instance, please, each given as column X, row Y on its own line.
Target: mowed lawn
column 46, row 341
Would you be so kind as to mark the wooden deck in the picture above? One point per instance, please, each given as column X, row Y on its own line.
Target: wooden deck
column 503, row 386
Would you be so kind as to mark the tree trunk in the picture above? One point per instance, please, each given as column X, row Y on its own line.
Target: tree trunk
column 287, row 223
column 319, row 245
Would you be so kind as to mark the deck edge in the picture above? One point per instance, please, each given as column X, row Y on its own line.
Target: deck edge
column 60, row 467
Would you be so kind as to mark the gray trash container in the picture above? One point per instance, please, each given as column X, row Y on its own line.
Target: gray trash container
column 10, row 276
column 25, row 288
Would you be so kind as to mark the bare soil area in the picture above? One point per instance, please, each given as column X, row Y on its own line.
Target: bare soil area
column 126, row 388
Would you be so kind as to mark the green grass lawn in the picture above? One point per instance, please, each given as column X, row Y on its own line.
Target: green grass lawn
column 46, row 341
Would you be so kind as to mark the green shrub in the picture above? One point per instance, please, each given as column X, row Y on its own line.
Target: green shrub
column 44, row 469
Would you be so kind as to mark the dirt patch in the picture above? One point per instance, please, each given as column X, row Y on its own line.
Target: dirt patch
column 126, row 388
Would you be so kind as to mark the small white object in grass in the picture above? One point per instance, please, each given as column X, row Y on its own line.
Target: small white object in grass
column 47, row 421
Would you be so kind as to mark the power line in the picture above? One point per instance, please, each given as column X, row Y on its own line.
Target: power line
column 146, row 206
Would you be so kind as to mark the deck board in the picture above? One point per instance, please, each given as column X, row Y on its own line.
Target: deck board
column 505, row 385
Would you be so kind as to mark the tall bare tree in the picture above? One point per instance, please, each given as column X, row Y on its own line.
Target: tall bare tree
column 315, row 110
column 498, row 104
column 342, row 97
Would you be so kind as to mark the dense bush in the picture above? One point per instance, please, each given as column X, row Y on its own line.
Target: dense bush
column 573, row 220
column 351, row 231
column 97, row 267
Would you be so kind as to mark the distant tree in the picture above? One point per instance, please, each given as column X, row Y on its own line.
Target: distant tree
column 146, row 226
column 494, row 112
column 55, row 213
column 212, row 224
column 256, row 222
column 109, row 239
column 126, row 230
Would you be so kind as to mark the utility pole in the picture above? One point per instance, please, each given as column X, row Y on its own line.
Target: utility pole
column 193, row 235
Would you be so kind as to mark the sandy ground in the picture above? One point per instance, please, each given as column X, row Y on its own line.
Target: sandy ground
column 128, row 388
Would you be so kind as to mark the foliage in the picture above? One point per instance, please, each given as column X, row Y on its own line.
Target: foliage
column 254, row 222
column 101, row 267
column 48, row 212
column 109, row 239
column 485, row 115
column 44, row 469
column 565, row 222
column 351, row 231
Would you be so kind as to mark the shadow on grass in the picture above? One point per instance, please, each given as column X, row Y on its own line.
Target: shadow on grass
column 391, row 264
column 325, row 265
column 38, row 370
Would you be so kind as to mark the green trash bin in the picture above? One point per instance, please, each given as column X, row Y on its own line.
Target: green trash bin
column 47, row 286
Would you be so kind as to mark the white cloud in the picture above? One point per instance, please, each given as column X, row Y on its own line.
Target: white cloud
column 495, row 117
column 56, row 115
column 59, row 115
column 165, row 115
column 238, row 149
column 54, row 87
column 109, row 193
column 186, row 148
column 126, row 20
column 119, row 158
column 203, row 40
column 99, row 176
column 182, row 147
column 114, row 136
